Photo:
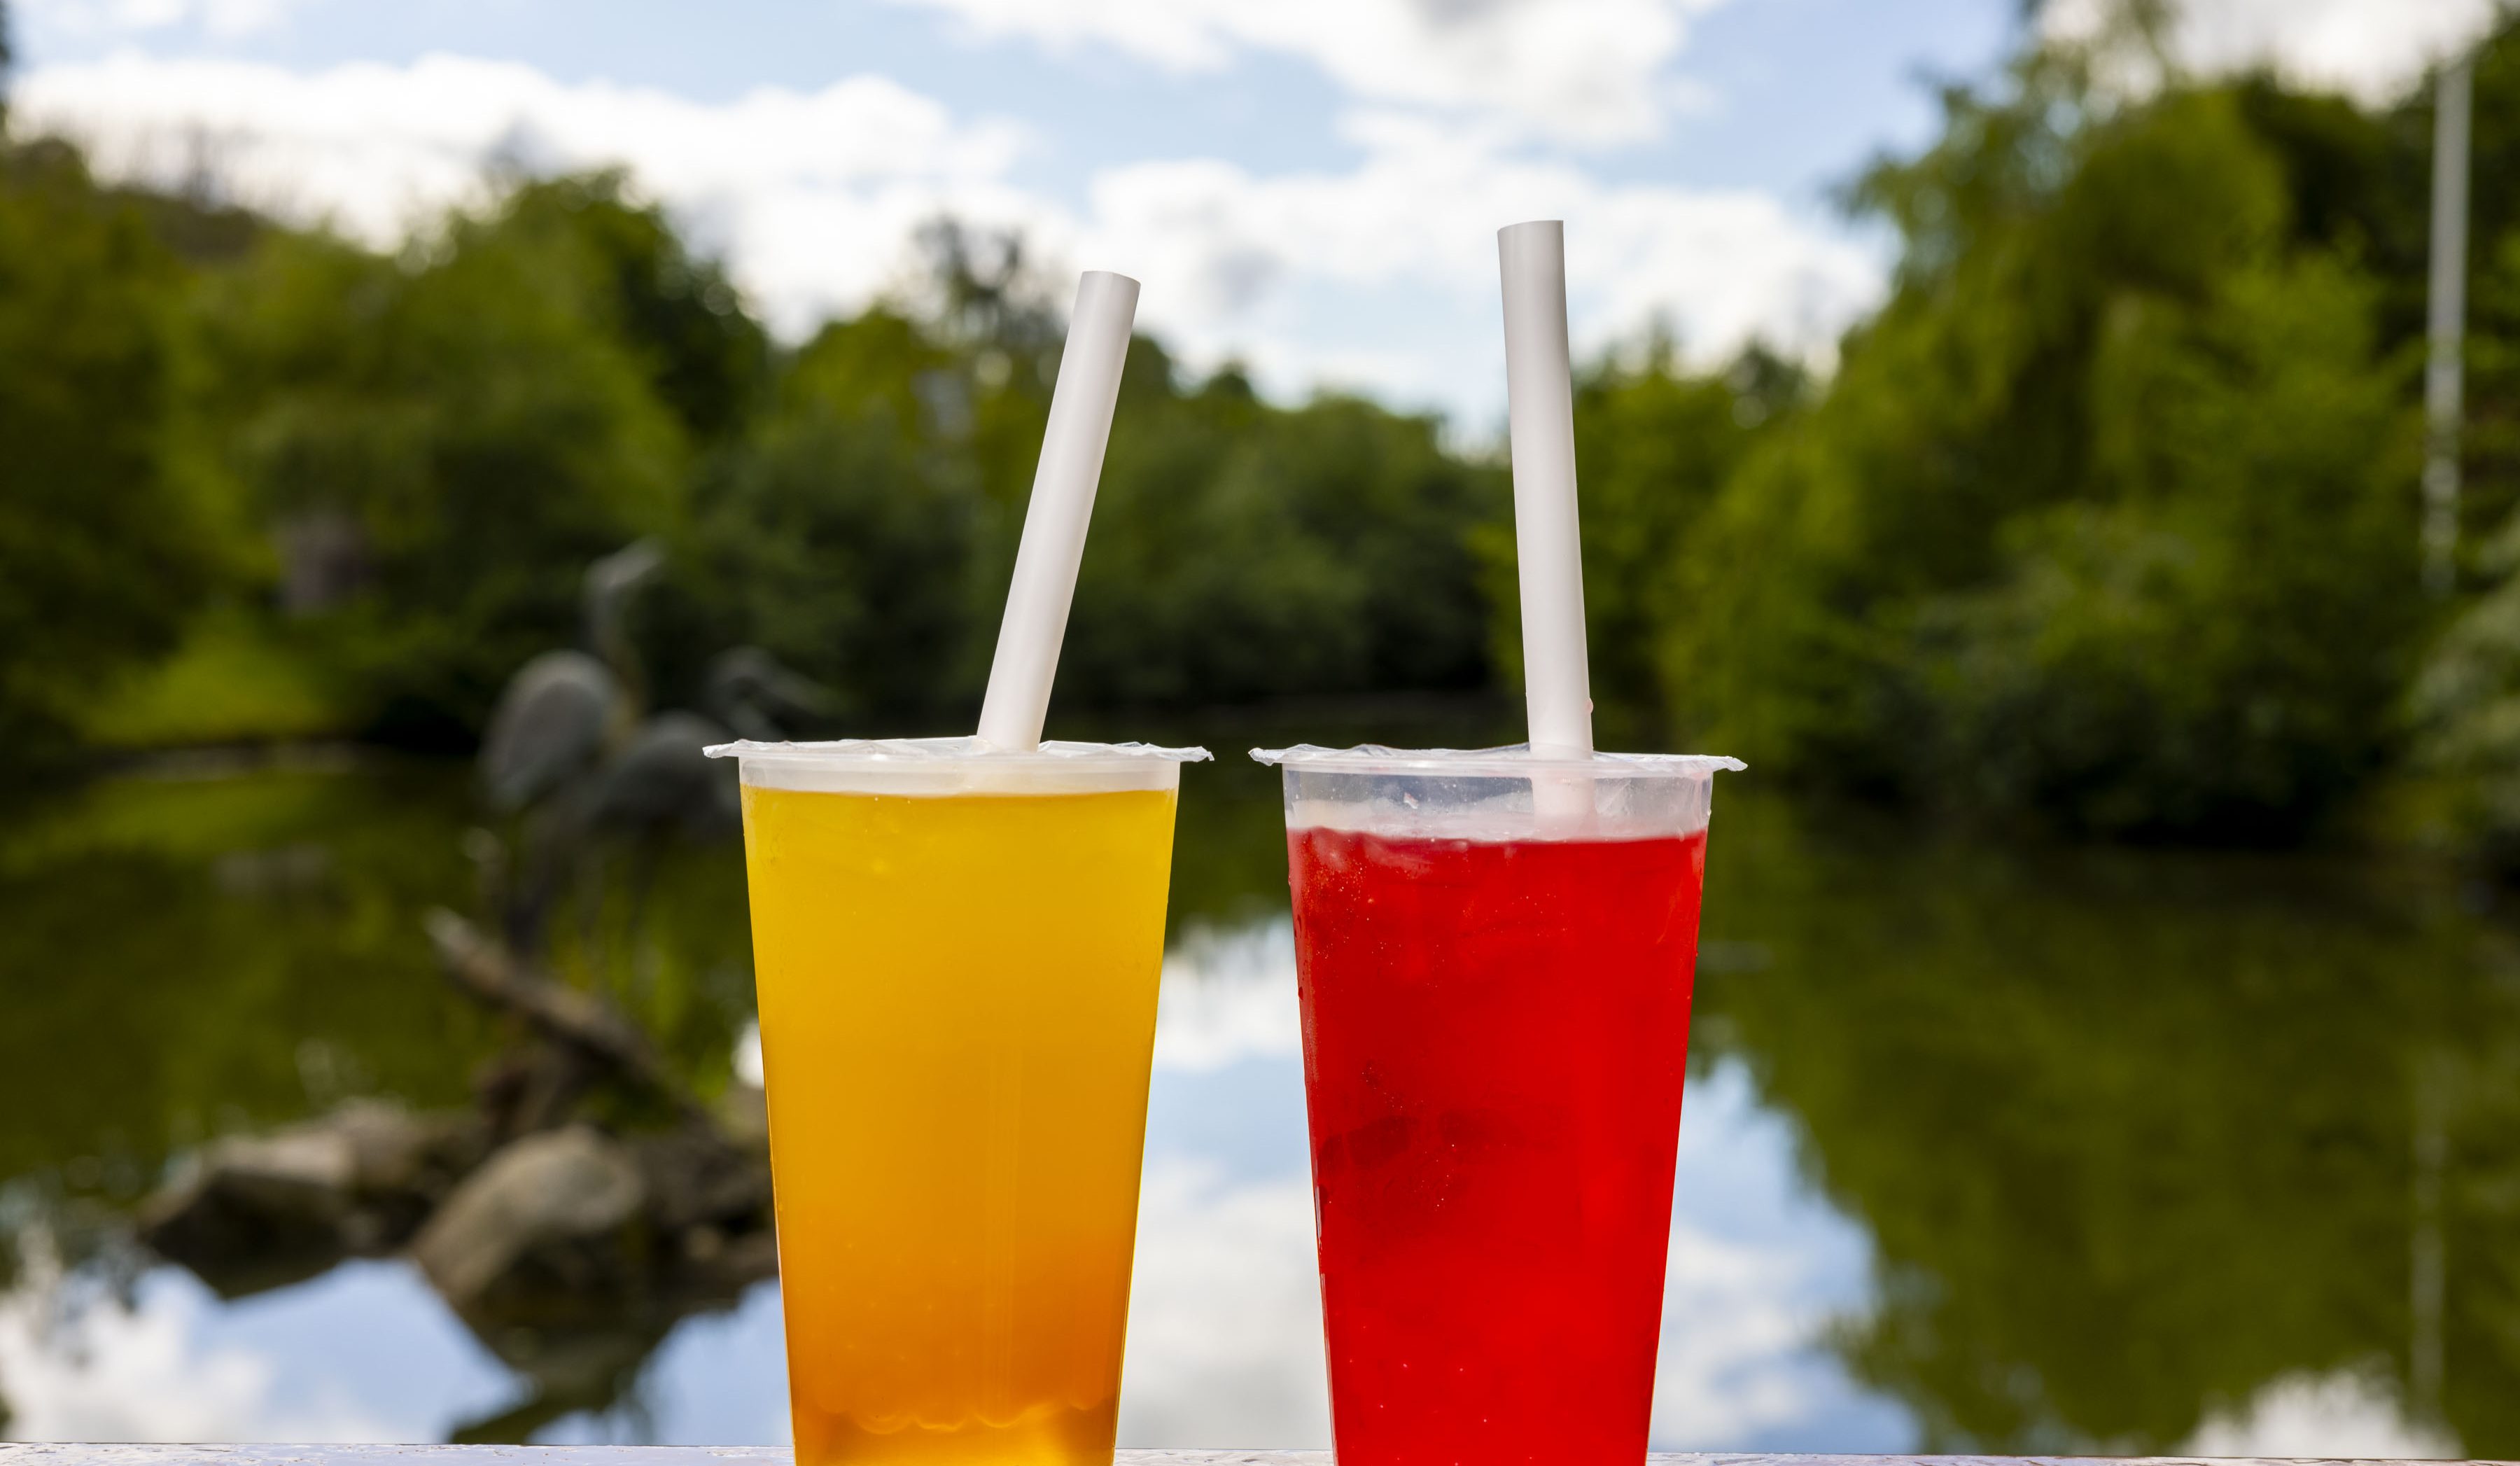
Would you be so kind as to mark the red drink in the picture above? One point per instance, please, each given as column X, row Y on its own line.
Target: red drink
column 1496, row 1033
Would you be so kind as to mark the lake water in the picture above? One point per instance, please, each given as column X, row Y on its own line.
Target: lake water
column 1984, row 1147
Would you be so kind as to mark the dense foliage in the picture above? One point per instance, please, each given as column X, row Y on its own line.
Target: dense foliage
column 104, row 536
column 2108, row 514
column 439, row 441
column 2107, row 520
column 1240, row 550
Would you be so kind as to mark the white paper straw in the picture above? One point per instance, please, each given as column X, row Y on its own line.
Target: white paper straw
column 1062, row 502
column 1540, row 403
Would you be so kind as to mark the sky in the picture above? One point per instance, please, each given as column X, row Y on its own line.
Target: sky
column 1308, row 187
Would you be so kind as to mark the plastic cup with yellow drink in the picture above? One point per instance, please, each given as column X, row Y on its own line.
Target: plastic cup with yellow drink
column 957, row 944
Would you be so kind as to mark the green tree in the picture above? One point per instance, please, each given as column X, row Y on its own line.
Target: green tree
column 458, row 432
column 1656, row 444
column 843, row 535
column 2216, row 645
column 705, row 355
column 1241, row 551
column 2109, row 514
column 1244, row 551
column 2468, row 700
column 107, row 538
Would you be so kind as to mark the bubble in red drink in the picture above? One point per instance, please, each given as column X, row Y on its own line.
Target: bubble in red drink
column 1496, row 1037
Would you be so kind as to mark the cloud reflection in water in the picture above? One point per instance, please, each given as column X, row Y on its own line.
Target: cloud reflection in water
column 1225, row 1345
column 1225, row 1331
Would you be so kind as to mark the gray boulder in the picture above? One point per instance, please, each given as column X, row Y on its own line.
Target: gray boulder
column 248, row 1213
column 548, row 1223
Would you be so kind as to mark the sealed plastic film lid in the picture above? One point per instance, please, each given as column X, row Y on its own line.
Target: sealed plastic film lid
column 1496, row 794
column 956, row 765
column 1514, row 762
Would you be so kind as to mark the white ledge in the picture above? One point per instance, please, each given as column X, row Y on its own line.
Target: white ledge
column 780, row 1455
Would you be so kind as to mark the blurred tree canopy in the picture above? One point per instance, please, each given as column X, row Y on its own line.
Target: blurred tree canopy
column 2467, row 700
column 106, row 540
column 2106, row 521
column 439, row 441
column 865, row 531
column 1657, row 445
column 2107, row 515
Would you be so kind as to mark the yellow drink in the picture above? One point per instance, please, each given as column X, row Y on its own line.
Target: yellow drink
column 958, row 1012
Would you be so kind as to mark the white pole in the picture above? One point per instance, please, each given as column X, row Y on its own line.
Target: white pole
column 2452, row 108
column 1540, row 407
column 1054, row 522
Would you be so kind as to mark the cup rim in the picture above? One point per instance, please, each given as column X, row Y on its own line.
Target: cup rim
column 1511, row 762
column 911, row 753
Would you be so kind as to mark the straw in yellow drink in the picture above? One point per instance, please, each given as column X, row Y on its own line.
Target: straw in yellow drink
column 958, row 1005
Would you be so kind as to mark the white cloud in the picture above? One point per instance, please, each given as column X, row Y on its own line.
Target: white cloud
column 1738, row 1324
column 1225, row 1314
column 811, row 193
column 1419, row 214
column 79, row 1364
column 1229, row 995
column 2370, row 49
column 1582, row 70
column 1225, row 1340
column 224, row 19
column 1381, row 276
column 2346, row 1415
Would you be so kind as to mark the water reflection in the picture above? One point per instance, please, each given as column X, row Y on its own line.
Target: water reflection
column 1983, row 1148
column 2135, row 1136
column 187, row 956
column 1225, row 1326
column 362, row 1354
column 1225, row 1330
